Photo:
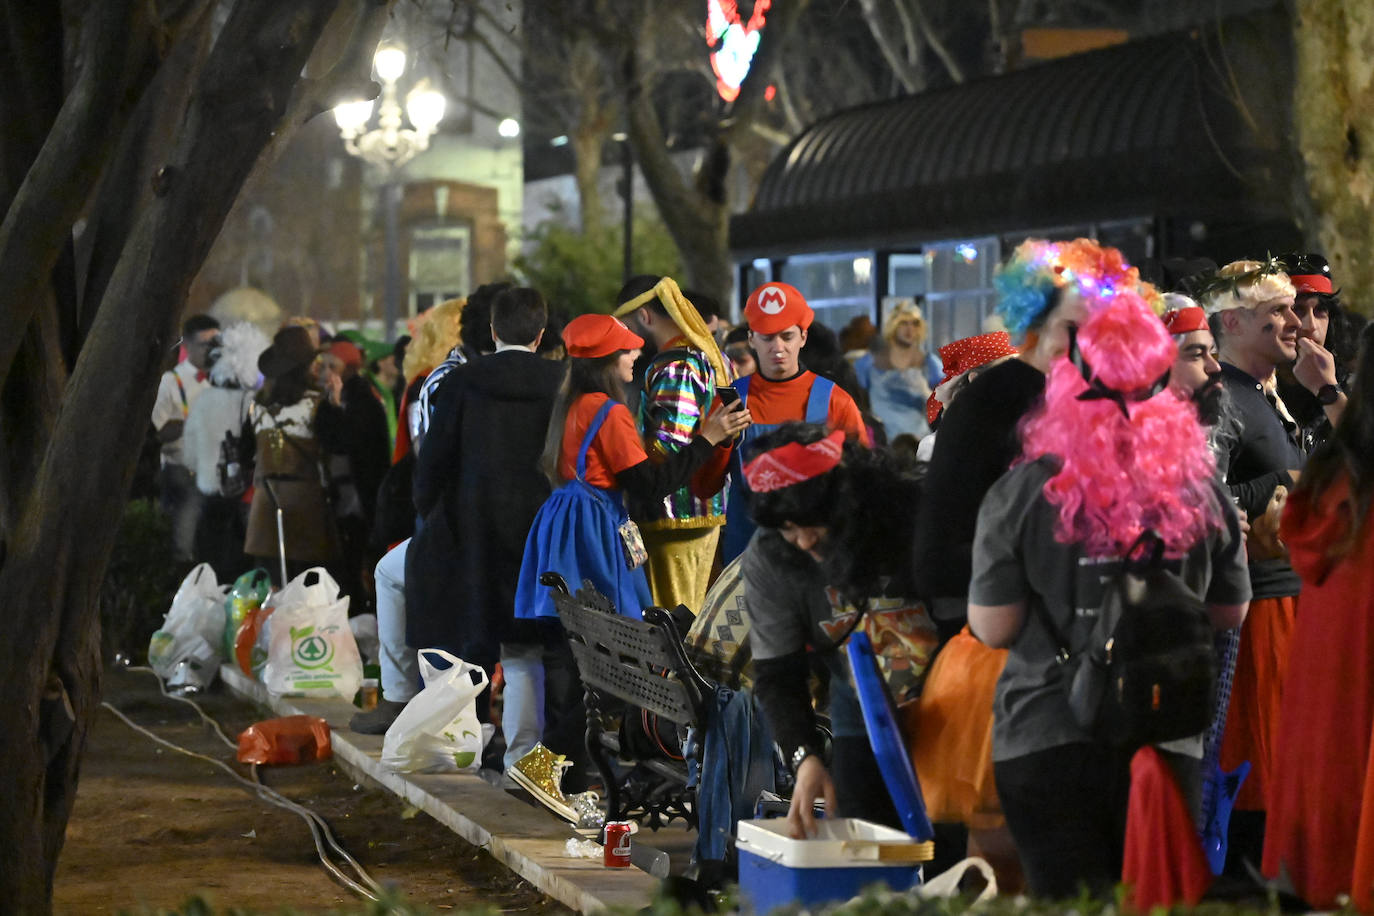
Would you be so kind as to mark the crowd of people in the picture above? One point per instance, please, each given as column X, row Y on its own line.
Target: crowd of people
column 967, row 507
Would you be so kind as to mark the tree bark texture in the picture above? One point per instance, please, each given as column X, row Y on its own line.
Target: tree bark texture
column 247, row 96
column 1334, row 115
column 115, row 60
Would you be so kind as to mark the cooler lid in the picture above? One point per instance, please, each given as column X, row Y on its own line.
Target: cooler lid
column 884, row 733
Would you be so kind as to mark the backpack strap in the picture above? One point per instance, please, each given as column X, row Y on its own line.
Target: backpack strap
column 1062, row 651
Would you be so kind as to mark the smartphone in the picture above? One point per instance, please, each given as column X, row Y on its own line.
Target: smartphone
column 728, row 396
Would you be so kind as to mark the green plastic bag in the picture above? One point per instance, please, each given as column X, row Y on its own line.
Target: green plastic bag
column 249, row 591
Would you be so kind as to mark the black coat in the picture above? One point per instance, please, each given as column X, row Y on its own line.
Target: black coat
column 478, row 487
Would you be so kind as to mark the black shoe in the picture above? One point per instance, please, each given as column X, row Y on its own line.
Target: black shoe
column 377, row 721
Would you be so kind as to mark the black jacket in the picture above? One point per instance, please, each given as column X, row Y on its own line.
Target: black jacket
column 1257, row 450
column 978, row 440
column 477, row 488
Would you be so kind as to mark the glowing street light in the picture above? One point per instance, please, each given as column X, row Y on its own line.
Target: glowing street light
column 390, row 143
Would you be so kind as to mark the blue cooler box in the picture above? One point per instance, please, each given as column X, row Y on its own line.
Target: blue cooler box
column 846, row 856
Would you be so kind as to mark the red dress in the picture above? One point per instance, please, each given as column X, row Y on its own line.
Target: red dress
column 1319, row 804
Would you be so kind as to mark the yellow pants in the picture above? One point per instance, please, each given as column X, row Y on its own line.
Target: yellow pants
column 679, row 565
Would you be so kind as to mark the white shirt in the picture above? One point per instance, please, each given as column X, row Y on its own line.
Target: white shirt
column 174, row 403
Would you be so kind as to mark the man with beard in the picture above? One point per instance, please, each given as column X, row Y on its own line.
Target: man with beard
column 1196, row 374
column 1250, row 307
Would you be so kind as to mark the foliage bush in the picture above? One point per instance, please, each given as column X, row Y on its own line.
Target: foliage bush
column 139, row 582
column 582, row 272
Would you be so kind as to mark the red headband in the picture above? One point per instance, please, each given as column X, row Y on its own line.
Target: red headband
column 1185, row 320
column 794, row 463
column 1312, row 283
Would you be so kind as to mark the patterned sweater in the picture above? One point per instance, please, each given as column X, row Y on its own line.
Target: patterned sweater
column 679, row 387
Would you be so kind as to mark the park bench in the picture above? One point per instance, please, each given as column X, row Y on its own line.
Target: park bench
column 626, row 666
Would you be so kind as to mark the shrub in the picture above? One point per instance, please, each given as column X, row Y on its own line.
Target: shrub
column 139, row 582
column 582, row 272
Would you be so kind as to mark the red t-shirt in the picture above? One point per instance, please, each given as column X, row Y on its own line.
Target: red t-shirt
column 778, row 402
column 617, row 445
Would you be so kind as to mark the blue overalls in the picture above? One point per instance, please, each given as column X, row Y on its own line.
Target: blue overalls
column 739, row 524
column 577, row 535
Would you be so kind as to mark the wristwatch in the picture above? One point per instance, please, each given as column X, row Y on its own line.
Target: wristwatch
column 801, row 753
column 1328, row 395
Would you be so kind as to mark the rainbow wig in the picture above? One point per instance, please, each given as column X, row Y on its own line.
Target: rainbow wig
column 1139, row 461
column 1027, row 282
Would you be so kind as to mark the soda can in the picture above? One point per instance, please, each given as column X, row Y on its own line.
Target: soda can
column 369, row 693
column 617, row 844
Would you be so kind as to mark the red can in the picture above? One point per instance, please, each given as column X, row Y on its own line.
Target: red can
column 618, row 844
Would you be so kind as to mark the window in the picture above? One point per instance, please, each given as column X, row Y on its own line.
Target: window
column 837, row 286
column 440, row 265
column 959, row 294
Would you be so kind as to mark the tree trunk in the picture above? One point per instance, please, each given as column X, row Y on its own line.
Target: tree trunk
column 589, row 134
column 49, row 636
column 697, row 214
column 1334, row 115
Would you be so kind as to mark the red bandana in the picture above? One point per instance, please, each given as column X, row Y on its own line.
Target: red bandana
column 202, row 375
column 1185, row 320
column 794, row 463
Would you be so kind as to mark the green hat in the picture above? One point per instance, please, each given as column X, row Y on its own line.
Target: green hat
column 373, row 350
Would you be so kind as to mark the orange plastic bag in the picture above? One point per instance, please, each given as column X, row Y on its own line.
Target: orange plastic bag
column 289, row 739
column 246, row 641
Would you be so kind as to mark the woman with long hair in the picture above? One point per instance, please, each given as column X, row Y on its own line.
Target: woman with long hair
column 899, row 372
column 1321, row 805
column 1109, row 454
column 594, row 456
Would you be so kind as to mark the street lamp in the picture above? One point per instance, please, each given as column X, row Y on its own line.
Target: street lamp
column 390, row 145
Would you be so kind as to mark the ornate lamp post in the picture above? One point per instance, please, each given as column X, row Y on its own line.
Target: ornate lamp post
column 390, row 145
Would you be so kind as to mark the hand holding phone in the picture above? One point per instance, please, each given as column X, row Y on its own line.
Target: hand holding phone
column 727, row 395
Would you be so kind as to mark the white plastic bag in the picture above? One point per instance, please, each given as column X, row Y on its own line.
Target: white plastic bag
column 946, row 884
column 364, row 627
column 311, row 651
column 438, row 731
column 187, row 644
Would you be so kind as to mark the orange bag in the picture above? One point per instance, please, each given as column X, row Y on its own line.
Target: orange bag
column 289, row 739
column 247, row 638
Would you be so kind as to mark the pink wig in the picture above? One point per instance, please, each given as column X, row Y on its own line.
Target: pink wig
column 1123, row 468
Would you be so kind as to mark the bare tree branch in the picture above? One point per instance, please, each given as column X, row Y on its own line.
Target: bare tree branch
column 937, row 44
column 910, row 39
column 895, row 55
column 771, row 134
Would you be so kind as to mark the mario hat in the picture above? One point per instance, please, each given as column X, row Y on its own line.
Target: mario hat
column 775, row 307
column 593, row 336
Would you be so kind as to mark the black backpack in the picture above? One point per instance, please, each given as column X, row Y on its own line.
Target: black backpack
column 1148, row 672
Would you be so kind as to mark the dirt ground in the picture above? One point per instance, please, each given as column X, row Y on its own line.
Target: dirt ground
column 153, row 828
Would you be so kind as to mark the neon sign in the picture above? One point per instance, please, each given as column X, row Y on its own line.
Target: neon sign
column 733, row 42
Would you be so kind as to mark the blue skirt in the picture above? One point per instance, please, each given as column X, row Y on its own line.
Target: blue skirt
column 576, row 534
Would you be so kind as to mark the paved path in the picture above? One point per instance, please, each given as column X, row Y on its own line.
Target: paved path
column 529, row 840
